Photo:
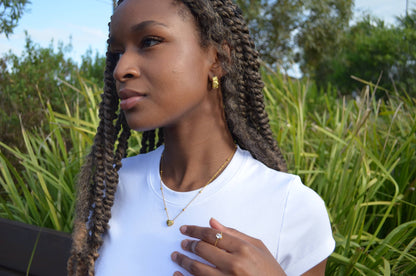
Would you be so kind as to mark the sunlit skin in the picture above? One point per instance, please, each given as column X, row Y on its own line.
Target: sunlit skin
column 164, row 79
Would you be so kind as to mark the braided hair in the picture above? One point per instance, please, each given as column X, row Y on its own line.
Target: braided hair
column 220, row 23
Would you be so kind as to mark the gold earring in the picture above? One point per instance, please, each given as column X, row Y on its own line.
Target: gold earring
column 215, row 82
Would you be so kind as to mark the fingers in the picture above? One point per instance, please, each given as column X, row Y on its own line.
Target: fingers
column 192, row 266
column 208, row 235
column 207, row 251
column 215, row 224
column 234, row 254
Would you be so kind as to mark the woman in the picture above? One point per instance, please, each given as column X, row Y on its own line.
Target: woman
column 186, row 74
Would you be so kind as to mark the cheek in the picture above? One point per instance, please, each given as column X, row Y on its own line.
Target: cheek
column 185, row 74
column 191, row 72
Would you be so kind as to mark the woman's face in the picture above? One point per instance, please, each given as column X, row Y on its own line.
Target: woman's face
column 162, row 75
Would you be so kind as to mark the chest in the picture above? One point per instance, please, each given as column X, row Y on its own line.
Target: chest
column 140, row 243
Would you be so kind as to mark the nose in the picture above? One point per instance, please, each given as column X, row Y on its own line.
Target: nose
column 126, row 68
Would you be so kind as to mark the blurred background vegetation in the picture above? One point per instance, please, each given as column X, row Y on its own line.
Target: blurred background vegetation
column 346, row 126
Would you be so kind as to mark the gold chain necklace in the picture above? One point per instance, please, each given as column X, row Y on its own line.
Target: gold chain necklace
column 169, row 221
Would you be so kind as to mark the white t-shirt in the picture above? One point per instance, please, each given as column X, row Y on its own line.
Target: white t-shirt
column 275, row 207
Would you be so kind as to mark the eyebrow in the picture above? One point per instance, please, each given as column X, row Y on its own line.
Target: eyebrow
column 140, row 27
column 146, row 24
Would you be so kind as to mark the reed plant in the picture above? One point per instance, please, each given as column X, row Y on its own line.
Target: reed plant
column 358, row 154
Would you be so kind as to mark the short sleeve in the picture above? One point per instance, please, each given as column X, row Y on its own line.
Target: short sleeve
column 306, row 236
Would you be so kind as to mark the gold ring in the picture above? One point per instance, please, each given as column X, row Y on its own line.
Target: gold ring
column 219, row 237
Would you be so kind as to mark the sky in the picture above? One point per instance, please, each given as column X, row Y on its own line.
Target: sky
column 84, row 23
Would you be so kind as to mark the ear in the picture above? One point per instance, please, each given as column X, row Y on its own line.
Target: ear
column 215, row 68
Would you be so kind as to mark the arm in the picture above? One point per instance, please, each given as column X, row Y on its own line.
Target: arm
column 317, row 270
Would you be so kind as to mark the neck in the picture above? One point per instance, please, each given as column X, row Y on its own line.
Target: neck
column 193, row 155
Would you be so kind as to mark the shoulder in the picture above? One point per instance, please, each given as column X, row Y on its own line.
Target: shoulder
column 255, row 168
column 301, row 197
column 306, row 234
column 297, row 192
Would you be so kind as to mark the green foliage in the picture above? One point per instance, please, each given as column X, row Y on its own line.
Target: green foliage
column 40, row 71
column 92, row 67
column 37, row 71
column 43, row 193
column 359, row 156
column 10, row 13
column 316, row 35
column 375, row 52
column 322, row 31
column 301, row 31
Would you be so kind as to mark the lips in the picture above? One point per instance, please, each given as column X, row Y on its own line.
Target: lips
column 129, row 98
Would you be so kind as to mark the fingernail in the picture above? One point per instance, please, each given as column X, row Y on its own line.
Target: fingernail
column 174, row 256
column 184, row 243
column 182, row 229
column 216, row 220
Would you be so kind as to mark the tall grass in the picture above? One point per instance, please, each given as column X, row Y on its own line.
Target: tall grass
column 359, row 156
column 43, row 193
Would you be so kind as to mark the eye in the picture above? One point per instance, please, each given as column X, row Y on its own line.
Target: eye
column 116, row 50
column 118, row 53
column 151, row 41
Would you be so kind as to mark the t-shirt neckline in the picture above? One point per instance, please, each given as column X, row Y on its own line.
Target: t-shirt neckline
column 173, row 197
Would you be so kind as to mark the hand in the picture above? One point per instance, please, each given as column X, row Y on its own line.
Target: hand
column 234, row 254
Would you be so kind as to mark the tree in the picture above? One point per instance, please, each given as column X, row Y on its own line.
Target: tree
column 10, row 13
column 272, row 26
column 407, row 65
column 370, row 49
column 321, row 32
column 303, row 31
column 92, row 68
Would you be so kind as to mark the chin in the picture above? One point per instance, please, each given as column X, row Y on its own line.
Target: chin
column 137, row 125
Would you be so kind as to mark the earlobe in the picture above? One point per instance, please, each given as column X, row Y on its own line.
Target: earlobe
column 216, row 70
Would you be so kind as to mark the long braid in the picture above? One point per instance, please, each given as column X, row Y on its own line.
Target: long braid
column 218, row 21
column 145, row 142
column 87, row 179
column 253, row 85
column 221, row 21
column 160, row 137
column 149, row 141
column 81, row 211
column 105, row 177
column 98, row 180
column 121, row 151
